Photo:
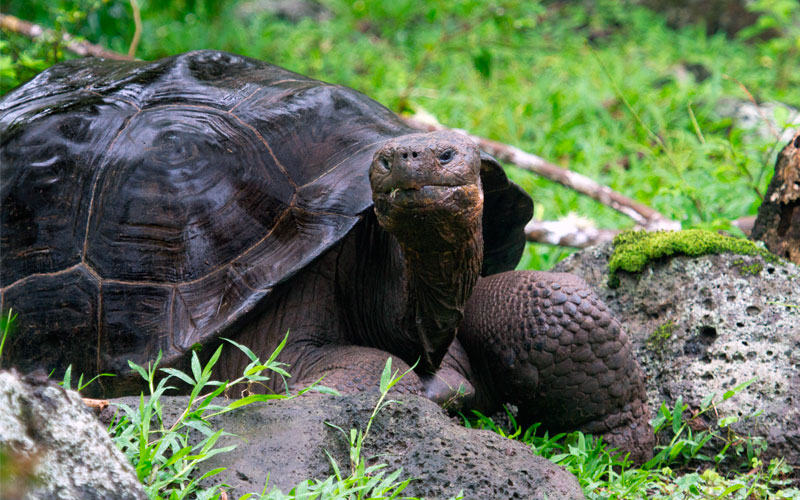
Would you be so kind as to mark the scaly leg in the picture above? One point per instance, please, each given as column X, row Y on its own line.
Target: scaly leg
column 545, row 343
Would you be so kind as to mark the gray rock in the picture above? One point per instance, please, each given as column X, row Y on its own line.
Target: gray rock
column 764, row 121
column 705, row 325
column 287, row 439
column 52, row 447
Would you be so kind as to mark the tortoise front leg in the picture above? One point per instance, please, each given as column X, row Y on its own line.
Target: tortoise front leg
column 545, row 343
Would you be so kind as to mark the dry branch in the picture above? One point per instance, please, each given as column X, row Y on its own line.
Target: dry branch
column 78, row 47
column 567, row 233
column 97, row 405
column 643, row 215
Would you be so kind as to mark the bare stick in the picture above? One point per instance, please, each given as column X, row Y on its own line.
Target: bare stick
column 643, row 215
column 567, row 233
column 571, row 232
column 97, row 405
column 137, row 21
column 78, row 47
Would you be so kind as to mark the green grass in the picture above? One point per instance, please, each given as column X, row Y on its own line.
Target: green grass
column 603, row 90
column 680, row 468
column 167, row 461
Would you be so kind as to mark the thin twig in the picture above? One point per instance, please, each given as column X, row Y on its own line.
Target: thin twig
column 98, row 405
column 696, row 125
column 78, row 47
column 137, row 34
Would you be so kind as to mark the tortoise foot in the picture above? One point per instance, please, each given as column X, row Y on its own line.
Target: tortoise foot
column 545, row 343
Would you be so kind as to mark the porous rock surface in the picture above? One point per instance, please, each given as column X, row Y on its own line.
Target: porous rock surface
column 703, row 325
column 52, row 446
column 287, row 439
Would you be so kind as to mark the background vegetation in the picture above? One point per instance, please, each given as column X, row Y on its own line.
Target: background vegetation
column 604, row 88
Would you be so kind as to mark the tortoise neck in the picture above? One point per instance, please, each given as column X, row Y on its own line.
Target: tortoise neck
column 442, row 254
column 439, row 283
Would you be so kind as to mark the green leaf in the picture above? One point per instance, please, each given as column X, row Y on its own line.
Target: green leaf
column 675, row 450
column 177, row 456
column 178, row 374
column 196, row 371
column 250, row 354
column 676, row 415
column 386, row 375
column 730, row 489
column 212, row 472
column 729, row 394
column 213, row 361
column 253, row 398
column 278, row 349
column 255, row 369
column 67, row 377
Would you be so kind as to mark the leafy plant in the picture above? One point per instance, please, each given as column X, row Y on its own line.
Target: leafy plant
column 166, row 457
column 356, row 437
column 21, row 59
column 779, row 23
column 66, row 381
column 162, row 454
column 363, row 482
column 687, row 444
column 605, row 474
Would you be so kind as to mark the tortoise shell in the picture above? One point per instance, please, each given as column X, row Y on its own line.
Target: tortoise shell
column 152, row 206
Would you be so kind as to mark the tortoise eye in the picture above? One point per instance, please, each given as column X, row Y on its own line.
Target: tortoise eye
column 385, row 163
column 446, row 156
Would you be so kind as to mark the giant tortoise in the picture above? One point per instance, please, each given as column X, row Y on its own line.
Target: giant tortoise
column 162, row 206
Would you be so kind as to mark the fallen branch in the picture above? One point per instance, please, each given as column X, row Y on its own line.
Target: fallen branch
column 569, row 232
column 643, row 215
column 580, row 233
column 78, row 47
column 97, row 405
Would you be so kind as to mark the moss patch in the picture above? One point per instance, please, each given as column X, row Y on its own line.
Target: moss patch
column 658, row 339
column 751, row 269
column 634, row 249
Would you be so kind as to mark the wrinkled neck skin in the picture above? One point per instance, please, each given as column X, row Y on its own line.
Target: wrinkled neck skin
column 441, row 257
column 439, row 284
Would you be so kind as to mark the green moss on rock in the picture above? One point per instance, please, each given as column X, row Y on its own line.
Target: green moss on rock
column 751, row 269
column 658, row 339
column 634, row 249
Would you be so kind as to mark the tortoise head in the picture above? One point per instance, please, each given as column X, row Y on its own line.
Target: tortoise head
column 427, row 189
column 428, row 193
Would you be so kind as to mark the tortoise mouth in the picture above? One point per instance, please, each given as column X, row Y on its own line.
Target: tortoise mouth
column 422, row 196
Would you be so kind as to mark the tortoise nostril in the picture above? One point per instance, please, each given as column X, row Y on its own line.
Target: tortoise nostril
column 414, row 154
column 405, row 155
